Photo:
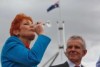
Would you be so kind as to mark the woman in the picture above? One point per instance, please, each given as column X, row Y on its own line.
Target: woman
column 16, row 51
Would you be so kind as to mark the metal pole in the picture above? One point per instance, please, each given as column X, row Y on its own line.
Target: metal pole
column 53, row 57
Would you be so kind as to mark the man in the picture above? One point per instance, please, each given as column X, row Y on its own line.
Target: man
column 75, row 51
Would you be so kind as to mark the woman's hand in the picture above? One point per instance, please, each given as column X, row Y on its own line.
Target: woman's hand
column 39, row 28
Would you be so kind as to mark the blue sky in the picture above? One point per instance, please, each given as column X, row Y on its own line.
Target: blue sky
column 81, row 17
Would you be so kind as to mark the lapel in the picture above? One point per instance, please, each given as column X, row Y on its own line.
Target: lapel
column 66, row 64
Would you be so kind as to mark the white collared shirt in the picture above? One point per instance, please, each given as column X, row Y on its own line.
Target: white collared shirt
column 71, row 64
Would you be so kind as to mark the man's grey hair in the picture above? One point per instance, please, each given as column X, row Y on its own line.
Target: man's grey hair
column 74, row 37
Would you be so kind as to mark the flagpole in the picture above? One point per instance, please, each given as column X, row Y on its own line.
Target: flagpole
column 61, row 36
column 60, row 17
column 61, row 30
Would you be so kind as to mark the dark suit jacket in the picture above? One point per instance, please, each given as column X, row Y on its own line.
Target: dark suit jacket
column 63, row 65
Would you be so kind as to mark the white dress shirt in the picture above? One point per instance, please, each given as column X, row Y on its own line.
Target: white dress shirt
column 71, row 64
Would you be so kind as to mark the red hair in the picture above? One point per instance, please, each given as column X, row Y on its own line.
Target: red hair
column 15, row 25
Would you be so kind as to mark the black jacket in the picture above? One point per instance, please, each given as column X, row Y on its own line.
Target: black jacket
column 63, row 65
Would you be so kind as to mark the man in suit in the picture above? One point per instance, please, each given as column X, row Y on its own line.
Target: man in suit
column 75, row 51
